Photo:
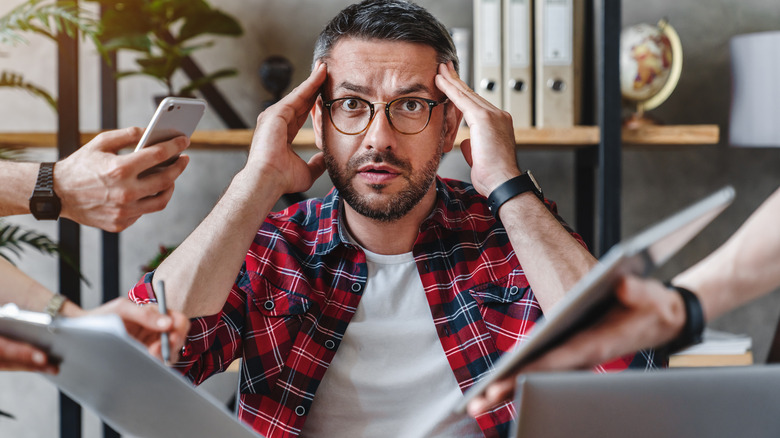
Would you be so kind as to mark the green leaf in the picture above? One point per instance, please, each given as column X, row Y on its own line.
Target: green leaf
column 16, row 81
column 15, row 239
column 199, row 83
column 213, row 22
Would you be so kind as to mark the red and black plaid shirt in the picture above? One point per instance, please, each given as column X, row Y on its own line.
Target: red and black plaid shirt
column 301, row 283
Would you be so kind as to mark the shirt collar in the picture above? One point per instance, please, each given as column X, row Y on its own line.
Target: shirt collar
column 451, row 211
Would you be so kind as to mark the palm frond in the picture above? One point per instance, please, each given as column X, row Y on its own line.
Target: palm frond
column 14, row 240
column 15, row 80
column 41, row 18
column 11, row 154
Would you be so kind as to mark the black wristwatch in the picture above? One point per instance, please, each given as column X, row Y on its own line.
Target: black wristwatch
column 44, row 203
column 515, row 186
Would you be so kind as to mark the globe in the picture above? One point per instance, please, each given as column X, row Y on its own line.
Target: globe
column 650, row 67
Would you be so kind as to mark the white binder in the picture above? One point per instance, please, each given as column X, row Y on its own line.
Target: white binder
column 487, row 50
column 518, row 61
column 559, row 45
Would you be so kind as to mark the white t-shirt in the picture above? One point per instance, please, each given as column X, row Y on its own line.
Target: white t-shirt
column 389, row 377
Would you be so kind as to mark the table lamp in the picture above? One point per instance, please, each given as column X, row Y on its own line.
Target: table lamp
column 755, row 90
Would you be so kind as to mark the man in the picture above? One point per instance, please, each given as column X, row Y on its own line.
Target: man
column 399, row 284
column 99, row 188
column 651, row 315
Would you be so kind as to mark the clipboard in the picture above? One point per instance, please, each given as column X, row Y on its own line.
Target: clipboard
column 592, row 296
column 105, row 369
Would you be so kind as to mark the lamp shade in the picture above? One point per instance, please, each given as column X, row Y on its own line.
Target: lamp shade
column 755, row 90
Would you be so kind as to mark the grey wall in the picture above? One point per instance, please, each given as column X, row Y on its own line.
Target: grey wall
column 656, row 181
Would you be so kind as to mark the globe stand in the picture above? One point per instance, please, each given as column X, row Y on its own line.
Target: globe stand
column 640, row 119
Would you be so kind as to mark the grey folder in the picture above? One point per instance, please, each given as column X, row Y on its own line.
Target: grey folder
column 106, row 370
column 686, row 403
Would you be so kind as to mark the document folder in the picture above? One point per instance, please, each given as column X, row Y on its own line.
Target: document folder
column 487, row 50
column 559, row 45
column 517, row 61
column 106, row 370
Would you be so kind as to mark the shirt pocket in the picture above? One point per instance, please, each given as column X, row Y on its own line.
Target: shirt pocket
column 275, row 314
column 509, row 309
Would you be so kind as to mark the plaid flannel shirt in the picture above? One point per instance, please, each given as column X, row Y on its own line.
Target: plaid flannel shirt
column 301, row 283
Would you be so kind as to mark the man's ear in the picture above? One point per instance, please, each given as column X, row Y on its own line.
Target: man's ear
column 316, row 121
column 452, row 119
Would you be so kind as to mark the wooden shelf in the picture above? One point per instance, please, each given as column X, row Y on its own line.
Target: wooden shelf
column 527, row 138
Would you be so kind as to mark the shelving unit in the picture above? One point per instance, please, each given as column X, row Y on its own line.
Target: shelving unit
column 531, row 138
column 597, row 150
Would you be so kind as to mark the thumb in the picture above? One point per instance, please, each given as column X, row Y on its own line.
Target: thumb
column 115, row 140
column 465, row 149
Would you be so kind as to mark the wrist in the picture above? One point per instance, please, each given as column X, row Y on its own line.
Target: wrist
column 692, row 320
column 512, row 188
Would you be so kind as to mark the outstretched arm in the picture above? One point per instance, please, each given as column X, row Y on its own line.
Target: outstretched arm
column 97, row 187
column 144, row 323
column 650, row 315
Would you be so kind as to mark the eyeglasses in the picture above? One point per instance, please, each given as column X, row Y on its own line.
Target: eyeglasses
column 407, row 115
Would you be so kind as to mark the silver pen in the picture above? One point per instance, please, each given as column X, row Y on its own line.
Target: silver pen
column 164, row 340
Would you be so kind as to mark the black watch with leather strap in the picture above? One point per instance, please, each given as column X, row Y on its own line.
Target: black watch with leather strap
column 515, row 186
column 44, row 202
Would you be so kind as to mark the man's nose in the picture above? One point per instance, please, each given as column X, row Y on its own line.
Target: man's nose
column 380, row 133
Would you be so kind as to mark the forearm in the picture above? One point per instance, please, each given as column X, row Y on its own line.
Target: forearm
column 20, row 289
column 552, row 259
column 744, row 268
column 17, row 181
column 199, row 274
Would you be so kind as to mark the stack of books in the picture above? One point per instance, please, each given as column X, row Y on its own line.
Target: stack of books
column 718, row 349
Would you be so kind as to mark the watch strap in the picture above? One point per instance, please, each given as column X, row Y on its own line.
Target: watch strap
column 44, row 195
column 54, row 305
column 511, row 188
column 693, row 330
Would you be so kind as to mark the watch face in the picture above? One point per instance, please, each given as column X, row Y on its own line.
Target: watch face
column 45, row 208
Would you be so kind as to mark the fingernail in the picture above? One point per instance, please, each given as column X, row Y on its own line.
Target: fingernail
column 39, row 358
column 164, row 321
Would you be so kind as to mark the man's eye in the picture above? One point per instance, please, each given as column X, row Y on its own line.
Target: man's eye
column 351, row 104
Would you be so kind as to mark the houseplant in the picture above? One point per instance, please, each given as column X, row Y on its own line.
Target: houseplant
column 164, row 33
column 46, row 18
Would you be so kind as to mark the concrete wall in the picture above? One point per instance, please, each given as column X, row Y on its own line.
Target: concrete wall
column 656, row 181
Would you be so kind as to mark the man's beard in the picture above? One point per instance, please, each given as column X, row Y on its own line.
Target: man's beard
column 399, row 204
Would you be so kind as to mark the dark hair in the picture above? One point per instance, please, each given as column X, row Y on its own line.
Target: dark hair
column 394, row 20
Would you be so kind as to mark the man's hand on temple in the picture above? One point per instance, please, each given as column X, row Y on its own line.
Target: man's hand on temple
column 491, row 149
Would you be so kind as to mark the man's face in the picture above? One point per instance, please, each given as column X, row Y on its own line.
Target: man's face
column 382, row 173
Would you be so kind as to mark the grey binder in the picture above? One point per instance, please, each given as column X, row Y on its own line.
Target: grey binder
column 106, row 370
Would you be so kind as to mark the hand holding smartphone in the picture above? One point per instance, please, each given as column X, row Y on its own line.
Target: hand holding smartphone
column 174, row 116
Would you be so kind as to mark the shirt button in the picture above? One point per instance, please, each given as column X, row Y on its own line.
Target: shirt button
column 268, row 305
column 330, row 345
column 446, row 331
column 300, row 411
column 356, row 287
column 514, row 290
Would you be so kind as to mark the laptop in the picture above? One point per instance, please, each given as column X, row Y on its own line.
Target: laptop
column 694, row 402
column 592, row 296
column 105, row 369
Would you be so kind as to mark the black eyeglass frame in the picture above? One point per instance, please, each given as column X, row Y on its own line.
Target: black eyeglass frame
column 431, row 105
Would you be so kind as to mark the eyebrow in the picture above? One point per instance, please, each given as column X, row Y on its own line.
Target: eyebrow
column 361, row 89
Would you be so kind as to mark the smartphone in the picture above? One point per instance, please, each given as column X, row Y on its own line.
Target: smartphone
column 174, row 116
